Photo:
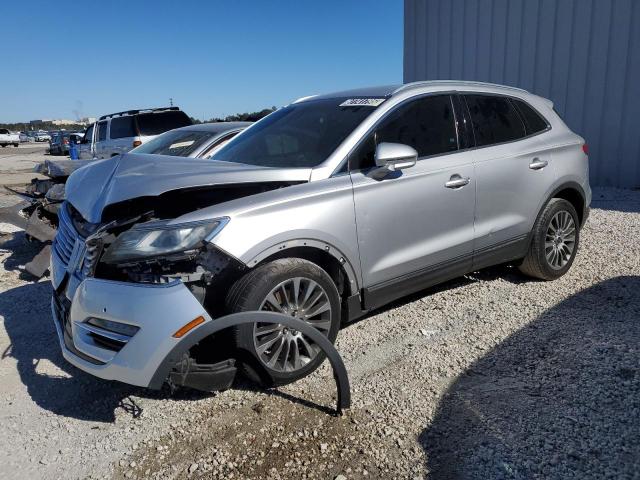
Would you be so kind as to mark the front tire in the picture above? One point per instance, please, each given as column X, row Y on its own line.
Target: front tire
column 272, row 354
column 554, row 241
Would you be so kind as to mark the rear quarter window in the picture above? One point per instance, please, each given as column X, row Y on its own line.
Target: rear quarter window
column 494, row 119
column 156, row 123
column 122, row 127
column 533, row 121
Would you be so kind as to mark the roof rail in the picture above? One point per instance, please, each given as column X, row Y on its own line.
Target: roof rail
column 134, row 112
column 470, row 83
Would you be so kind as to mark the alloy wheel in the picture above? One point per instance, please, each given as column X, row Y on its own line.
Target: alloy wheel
column 284, row 349
column 560, row 240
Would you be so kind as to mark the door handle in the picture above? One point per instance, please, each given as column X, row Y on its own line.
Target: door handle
column 456, row 181
column 538, row 164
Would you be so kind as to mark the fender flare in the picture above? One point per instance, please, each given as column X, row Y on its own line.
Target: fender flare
column 354, row 279
column 198, row 334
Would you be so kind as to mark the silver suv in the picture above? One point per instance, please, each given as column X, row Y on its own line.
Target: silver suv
column 325, row 210
column 120, row 132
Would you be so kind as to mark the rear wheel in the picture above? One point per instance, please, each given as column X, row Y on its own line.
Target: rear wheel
column 554, row 242
column 274, row 354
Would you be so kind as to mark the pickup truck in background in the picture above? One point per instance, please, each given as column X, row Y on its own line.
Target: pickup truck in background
column 120, row 132
column 8, row 138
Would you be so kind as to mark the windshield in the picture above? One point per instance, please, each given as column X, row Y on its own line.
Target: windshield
column 180, row 143
column 300, row 135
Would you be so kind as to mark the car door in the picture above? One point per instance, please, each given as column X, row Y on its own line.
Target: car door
column 101, row 145
column 513, row 172
column 415, row 226
column 84, row 147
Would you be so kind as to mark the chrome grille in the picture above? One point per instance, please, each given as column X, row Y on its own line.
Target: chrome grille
column 66, row 237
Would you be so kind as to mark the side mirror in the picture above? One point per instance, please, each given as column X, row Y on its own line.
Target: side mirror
column 395, row 156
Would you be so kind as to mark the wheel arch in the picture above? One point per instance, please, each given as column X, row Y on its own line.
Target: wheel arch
column 571, row 192
column 323, row 254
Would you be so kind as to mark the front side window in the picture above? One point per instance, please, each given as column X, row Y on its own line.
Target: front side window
column 426, row 124
column 88, row 135
column 494, row 119
column 218, row 145
column 300, row 135
column 102, row 131
column 122, row 127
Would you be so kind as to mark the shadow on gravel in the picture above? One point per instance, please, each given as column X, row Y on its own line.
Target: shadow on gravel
column 558, row 399
column 52, row 383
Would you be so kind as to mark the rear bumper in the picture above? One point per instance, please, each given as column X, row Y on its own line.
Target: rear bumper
column 158, row 311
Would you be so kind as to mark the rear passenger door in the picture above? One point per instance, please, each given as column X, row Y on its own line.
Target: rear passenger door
column 513, row 171
column 415, row 226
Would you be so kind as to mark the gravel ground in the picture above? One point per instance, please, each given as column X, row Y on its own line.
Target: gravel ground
column 489, row 376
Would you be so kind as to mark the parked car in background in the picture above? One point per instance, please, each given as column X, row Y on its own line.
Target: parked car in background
column 25, row 137
column 61, row 141
column 195, row 141
column 120, row 132
column 8, row 138
column 324, row 210
column 42, row 136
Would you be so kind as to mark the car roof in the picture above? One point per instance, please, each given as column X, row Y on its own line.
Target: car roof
column 386, row 91
column 216, row 127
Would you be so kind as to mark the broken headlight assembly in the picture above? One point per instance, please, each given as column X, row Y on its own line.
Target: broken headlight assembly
column 160, row 238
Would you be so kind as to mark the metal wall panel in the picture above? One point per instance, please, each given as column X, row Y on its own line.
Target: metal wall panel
column 584, row 55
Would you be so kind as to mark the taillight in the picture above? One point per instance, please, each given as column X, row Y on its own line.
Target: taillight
column 585, row 148
column 136, row 143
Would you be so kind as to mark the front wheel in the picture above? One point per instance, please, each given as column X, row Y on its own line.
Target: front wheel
column 274, row 354
column 554, row 241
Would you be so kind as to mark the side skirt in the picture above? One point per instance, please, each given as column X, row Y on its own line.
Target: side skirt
column 383, row 293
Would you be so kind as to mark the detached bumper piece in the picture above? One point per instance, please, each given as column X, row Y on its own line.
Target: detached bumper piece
column 206, row 378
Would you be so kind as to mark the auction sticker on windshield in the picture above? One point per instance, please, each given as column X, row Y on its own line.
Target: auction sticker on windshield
column 362, row 102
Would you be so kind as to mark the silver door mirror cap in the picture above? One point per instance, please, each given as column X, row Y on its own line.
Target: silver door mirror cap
column 395, row 156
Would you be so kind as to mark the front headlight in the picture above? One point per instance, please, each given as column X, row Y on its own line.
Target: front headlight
column 159, row 238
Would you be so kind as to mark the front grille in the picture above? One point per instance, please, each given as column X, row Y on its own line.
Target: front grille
column 66, row 237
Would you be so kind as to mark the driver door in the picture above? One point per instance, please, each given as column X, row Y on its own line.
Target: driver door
column 415, row 226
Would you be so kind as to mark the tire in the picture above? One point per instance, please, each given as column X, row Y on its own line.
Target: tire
column 554, row 241
column 272, row 280
column 16, row 144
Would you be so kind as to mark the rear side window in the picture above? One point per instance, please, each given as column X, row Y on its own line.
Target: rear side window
column 494, row 119
column 426, row 124
column 102, row 131
column 122, row 127
column 156, row 123
column 533, row 121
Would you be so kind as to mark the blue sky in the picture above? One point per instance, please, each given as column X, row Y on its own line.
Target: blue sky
column 213, row 57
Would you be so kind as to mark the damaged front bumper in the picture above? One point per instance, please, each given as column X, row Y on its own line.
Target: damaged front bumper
column 153, row 313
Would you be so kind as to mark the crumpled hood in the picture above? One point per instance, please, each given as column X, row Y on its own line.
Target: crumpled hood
column 124, row 177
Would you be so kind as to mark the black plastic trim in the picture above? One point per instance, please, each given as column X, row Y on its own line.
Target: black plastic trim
column 200, row 333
